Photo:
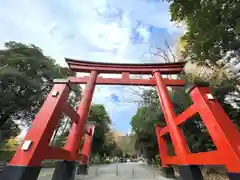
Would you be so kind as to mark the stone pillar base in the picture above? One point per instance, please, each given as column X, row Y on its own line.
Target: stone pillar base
column 20, row 173
column 64, row 170
column 190, row 172
column 234, row 176
column 168, row 172
column 82, row 169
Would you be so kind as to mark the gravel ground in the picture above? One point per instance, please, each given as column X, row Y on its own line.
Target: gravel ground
column 121, row 171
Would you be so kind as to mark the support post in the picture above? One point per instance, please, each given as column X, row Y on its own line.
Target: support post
column 163, row 151
column 162, row 147
column 190, row 172
column 222, row 130
column 26, row 164
column 178, row 140
column 64, row 170
column 76, row 131
column 86, row 150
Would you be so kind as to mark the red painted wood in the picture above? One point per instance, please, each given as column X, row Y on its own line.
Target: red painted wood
column 173, row 160
column 125, row 76
column 164, row 131
column 206, row 158
column 58, row 154
column 113, row 70
column 203, row 158
column 87, row 66
column 184, row 116
column 42, row 129
column 77, row 129
column 70, row 112
column 178, row 140
column 162, row 147
column 87, row 146
column 126, row 81
column 223, row 132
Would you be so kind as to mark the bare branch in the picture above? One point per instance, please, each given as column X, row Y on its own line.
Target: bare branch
column 165, row 54
column 170, row 50
column 136, row 92
column 164, row 57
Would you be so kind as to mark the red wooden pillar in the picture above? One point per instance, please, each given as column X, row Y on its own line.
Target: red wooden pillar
column 87, row 146
column 66, row 170
column 163, row 151
column 162, row 147
column 179, row 143
column 86, row 149
column 26, row 163
column 77, row 129
column 186, row 170
column 223, row 132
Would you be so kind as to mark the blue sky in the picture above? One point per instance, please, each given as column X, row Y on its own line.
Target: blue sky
column 120, row 31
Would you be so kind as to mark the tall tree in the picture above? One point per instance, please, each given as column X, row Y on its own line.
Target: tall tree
column 213, row 34
column 143, row 124
column 99, row 115
column 25, row 79
column 195, row 132
column 212, row 28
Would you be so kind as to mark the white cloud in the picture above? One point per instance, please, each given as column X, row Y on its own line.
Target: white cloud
column 97, row 30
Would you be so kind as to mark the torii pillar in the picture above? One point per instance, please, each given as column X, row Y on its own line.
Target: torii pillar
column 66, row 169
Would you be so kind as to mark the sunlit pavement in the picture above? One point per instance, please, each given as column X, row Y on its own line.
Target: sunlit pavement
column 123, row 171
column 46, row 174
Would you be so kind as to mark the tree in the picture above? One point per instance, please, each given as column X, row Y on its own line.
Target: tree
column 103, row 142
column 99, row 115
column 9, row 129
column 143, row 124
column 25, row 79
column 61, row 133
column 212, row 28
column 196, row 134
column 127, row 144
column 212, row 38
column 110, row 147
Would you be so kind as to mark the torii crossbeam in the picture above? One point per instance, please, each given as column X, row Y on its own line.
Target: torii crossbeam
column 125, row 70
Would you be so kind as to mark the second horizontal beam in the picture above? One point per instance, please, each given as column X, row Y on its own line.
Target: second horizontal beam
column 118, row 81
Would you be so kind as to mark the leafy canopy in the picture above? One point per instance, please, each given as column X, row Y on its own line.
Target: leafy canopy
column 213, row 29
column 25, row 79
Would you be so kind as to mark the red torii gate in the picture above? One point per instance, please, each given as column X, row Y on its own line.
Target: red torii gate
column 26, row 164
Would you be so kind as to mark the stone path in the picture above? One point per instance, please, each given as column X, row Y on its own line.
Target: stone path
column 121, row 171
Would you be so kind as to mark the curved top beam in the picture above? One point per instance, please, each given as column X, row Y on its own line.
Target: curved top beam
column 87, row 66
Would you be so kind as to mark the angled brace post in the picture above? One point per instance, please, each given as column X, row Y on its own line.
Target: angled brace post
column 86, row 150
column 26, row 164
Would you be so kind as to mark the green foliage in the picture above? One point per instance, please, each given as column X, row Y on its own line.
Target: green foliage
column 126, row 145
column 143, row 124
column 25, row 79
column 102, row 142
column 62, row 131
column 194, row 130
column 212, row 38
column 96, row 159
column 8, row 129
column 213, row 29
column 60, row 141
column 6, row 155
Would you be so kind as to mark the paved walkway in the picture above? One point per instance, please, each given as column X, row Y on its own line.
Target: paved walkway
column 121, row 171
